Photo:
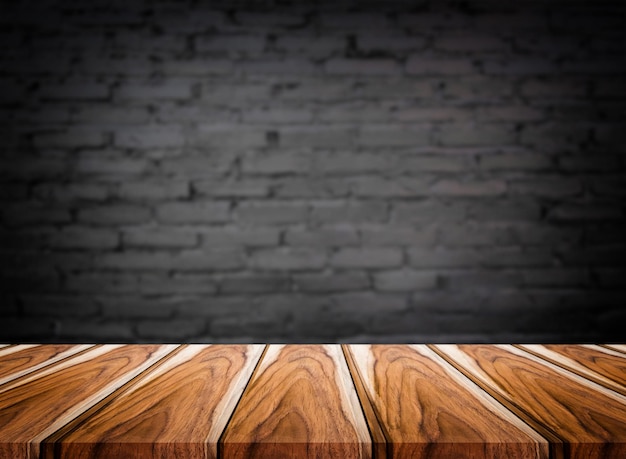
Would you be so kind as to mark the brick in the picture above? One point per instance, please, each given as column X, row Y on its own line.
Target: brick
column 367, row 304
column 516, row 257
column 331, row 212
column 349, row 21
column 153, row 190
column 354, row 112
column 74, row 91
column 443, row 258
column 197, row 67
column 554, row 136
column 375, row 186
column 96, row 330
column 237, row 237
column 103, row 164
column 520, row 67
column 120, row 307
column 420, row 65
column 389, row 43
column 464, row 42
column 107, row 114
column 476, row 88
column 288, row 259
column 477, row 235
column 315, row 136
column 231, row 44
column 58, row 305
column 555, row 277
column 159, row 238
column 555, row 87
column 511, row 113
column 469, row 188
column 393, row 136
column 25, row 214
column 245, row 188
column 281, row 115
column 213, row 260
column 505, row 210
column 349, row 163
column 586, row 212
column 370, row 67
column 114, row 214
column 149, row 137
column 516, row 161
column 288, row 66
column 404, row 280
column 277, row 163
column 366, row 258
column 322, row 237
column 254, row 213
column 331, row 282
column 168, row 90
column 433, row 163
column 195, row 165
column 432, row 114
column 70, row 138
column 547, row 187
column 476, row 135
column 310, row 187
column 254, row 283
column 249, row 19
column 387, row 235
column 427, row 211
column 173, row 330
column 314, row 46
column 84, row 238
column 193, row 212
column 228, row 137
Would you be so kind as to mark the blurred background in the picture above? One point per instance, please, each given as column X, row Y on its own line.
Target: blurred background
column 332, row 171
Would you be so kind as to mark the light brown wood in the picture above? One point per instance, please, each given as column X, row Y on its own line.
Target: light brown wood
column 601, row 365
column 32, row 411
column 177, row 410
column 430, row 410
column 590, row 419
column 300, row 403
column 617, row 347
column 23, row 360
column 379, row 440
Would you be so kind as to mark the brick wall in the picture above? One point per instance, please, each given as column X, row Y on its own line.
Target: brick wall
column 365, row 171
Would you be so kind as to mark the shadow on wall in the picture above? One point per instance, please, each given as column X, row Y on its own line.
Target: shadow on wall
column 312, row 173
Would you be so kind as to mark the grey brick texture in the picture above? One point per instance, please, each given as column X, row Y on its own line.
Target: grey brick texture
column 333, row 171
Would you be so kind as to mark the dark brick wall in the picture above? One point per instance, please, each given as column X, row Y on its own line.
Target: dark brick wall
column 329, row 171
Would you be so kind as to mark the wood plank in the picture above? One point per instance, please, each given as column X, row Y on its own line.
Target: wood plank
column 430, row 410
column 24, row 361
column 300, row 402
column 379, row 439
column 16, row 348
column 599, row 364
column 177, row 410
column 616, row 347
column 57, row 394
column 590, row 419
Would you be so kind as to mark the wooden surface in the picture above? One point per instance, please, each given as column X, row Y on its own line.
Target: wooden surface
column 313, row 401
column 300, row 403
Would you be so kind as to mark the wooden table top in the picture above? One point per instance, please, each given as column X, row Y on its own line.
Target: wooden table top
column 318, row 401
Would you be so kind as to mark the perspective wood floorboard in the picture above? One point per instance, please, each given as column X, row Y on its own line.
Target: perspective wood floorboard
column 312, row 401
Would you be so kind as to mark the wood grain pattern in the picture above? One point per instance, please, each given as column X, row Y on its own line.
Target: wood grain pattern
column 601, row 365
column 590, row 419
column 429, row 410
column 26, row 359
column 54, row 396
column 301, row 403
column 177, row 410
column 617, row 347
